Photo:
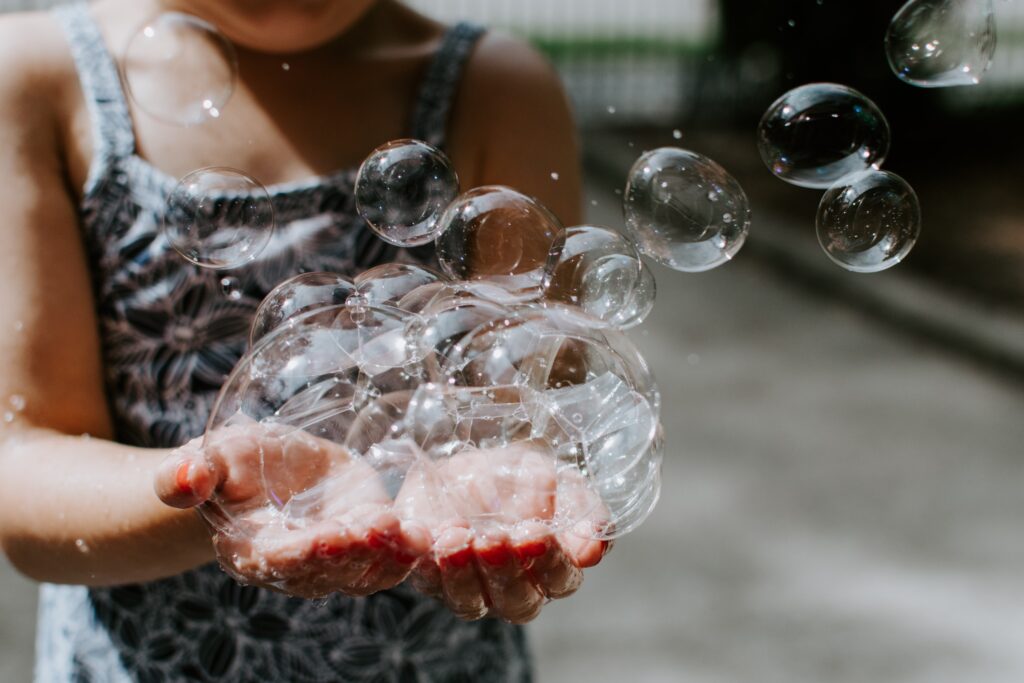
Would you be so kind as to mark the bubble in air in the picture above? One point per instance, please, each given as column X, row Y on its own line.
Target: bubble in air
column 402, row 189
column 817, row 133
column 684, row 210
column 600, row 272
column 942, row 43
column 179, row 69
column 869, row 221
column 498, row 234
column 219, row 218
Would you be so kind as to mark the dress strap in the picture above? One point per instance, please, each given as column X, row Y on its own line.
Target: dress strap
column 100, row 81
column 439, row 87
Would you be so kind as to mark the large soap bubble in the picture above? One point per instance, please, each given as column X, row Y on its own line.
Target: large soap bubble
column 815, row 134
column 599, row 271
column 869, row 221
column 498, row 234
column 219, row 218
column 178, row 69
column 940, row 43
column 389, row 283
column 303, row 293
column 402, row 189
column 684, row 210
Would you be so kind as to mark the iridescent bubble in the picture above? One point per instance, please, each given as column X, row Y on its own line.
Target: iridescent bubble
column 599, row 271
column 869, row 221
column 179, row 69
column 498, row 234
column 402, row 189
column 219, row 218
column 684, row 210
column 300, row 294
column 815, row 134
column 941, row 43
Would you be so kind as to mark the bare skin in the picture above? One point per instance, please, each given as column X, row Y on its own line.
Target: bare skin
column 83, row 511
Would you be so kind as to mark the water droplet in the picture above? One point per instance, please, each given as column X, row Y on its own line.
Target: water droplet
column 554, row 176
column 815, row 134
column 611, row 109
column 941, row 43
column 17, row 402
column 677, row 134
column 285, row 66
column 82, row 546
column 791, row 23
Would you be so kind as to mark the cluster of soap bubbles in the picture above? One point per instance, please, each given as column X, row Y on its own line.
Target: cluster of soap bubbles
column 829, row 136
column 403, row 386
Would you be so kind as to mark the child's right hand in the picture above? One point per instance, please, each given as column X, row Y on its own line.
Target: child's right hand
column 350, row 542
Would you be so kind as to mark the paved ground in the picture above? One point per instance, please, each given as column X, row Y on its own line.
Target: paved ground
column 842, row 503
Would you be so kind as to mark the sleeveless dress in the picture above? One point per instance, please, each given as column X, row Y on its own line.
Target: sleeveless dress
column 170, row 334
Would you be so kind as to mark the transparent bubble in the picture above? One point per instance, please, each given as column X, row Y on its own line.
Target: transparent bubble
column 300, row 294
column 402, row 189
column 599, row 271
column 219, row 218
column 179, row 69
column 941, row 43
column 498, row 234
column 231, row 287
column 684, row 210
column 388, row 283
column 869, row 221
column 815, row 134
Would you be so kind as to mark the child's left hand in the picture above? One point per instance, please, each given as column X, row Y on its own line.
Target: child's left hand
column 484, row 569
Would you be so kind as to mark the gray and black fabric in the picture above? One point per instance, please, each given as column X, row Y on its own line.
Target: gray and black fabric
column 169, row 337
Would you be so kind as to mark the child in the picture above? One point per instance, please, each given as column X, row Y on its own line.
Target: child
column 113, row 346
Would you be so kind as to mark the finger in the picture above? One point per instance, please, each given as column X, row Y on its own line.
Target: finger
column 460, row 584
column 540, row 553
column 398, row 555
column 512, row 593
column 185, row 479
column 584, row 550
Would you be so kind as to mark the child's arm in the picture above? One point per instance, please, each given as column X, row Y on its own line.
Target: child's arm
column 71, row 509
column 512, row 126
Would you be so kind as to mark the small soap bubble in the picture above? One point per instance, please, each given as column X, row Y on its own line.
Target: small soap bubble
column 402, row 189
column 231, row 287
column 179, row 69
column 670, row 217
column 611, row 109
column 82, row 546
column 677, row 134
column 815, row 134
column 285, row 66
column 219, row 218
column 869, row 221
column 498, row 234
column 17, row 402
column 554, row 176
column 942, row 43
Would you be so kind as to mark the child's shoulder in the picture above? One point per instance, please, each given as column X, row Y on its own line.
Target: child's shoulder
column 36, row 71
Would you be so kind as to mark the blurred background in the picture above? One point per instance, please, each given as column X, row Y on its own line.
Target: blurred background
column 843, row 481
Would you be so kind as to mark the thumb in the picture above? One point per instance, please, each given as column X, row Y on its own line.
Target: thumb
column 185, row 479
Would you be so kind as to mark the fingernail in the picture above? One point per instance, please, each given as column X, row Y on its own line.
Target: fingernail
column 182, row 479
column 404, row 558
column 459, row 559
column 495, row 555
column 533, row 548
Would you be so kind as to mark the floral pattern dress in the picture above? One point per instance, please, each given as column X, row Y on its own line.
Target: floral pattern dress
column 170, row 335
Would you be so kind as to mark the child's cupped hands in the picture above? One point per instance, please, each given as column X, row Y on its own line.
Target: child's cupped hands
column 305, row 516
